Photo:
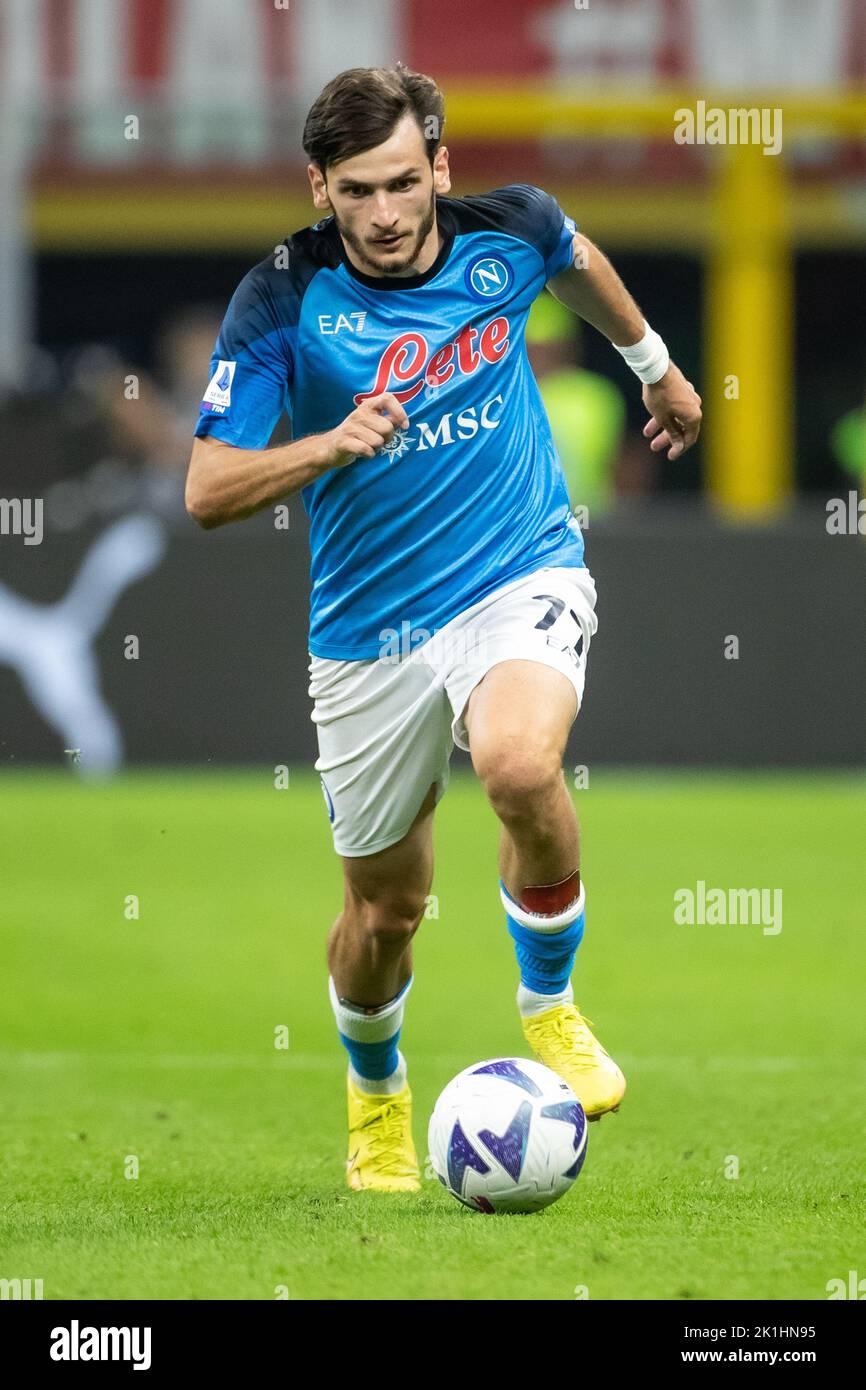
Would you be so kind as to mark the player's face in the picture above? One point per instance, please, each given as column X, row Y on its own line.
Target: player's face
column 384, row 202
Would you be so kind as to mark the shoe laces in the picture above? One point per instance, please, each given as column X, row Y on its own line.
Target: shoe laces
column 572, row 1030
column 385, row 1130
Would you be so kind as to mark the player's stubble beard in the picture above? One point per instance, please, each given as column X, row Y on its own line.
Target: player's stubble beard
column 387, row 266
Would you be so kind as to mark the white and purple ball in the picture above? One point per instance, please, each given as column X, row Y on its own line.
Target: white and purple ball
column 507, row 1135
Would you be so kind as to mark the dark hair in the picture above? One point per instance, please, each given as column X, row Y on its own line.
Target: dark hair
column 360, row 108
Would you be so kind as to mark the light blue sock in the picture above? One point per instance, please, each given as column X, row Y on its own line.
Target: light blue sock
column 370, row 1037
column 545, row 946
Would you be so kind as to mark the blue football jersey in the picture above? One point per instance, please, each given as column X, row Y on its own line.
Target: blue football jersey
column 472, row 495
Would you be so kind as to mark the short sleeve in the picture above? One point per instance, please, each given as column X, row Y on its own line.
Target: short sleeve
column 251, row 368
column 554, row 230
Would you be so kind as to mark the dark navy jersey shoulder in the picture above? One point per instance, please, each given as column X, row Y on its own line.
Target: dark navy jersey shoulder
column 259, row 336
column 521, row 210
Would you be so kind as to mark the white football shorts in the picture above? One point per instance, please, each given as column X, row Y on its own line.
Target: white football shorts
column 387, row 726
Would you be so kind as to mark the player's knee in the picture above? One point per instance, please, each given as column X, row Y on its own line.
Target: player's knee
column 388, row 917
column 520, row 780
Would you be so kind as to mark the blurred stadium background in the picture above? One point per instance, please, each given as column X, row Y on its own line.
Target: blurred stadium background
column 150, row 154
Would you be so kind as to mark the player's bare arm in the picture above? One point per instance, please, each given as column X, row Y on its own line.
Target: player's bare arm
column 226, row 484
column 591, row 288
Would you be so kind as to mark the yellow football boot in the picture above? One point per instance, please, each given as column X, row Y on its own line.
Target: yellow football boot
column 382, row 1155
column 560, row 1038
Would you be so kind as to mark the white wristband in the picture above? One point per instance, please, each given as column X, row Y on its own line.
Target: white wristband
column 648, row 359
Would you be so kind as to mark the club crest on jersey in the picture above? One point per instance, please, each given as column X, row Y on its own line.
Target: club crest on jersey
column 218, row 396
column 408, row 360
column 488, row 277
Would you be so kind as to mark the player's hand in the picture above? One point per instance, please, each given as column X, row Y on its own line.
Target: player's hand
column 365, row 432
column 675, row 408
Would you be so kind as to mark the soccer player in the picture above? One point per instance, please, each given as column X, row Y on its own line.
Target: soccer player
column 450, row 599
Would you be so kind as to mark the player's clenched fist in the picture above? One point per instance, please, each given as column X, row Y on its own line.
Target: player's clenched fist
column 364, row 433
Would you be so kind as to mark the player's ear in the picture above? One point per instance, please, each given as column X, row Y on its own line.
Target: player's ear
column 441, row 171
column 319, row 187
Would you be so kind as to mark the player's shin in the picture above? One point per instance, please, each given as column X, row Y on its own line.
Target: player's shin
column 370, row 1036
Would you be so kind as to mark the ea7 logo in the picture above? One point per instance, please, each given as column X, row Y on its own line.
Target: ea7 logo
column 331, row 324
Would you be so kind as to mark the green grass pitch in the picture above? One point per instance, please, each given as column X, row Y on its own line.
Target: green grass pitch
column 151, row 1041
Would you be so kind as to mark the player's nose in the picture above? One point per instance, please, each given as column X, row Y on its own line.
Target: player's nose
column 385, row 217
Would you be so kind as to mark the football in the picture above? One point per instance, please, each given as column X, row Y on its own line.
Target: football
column 507, row 1135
